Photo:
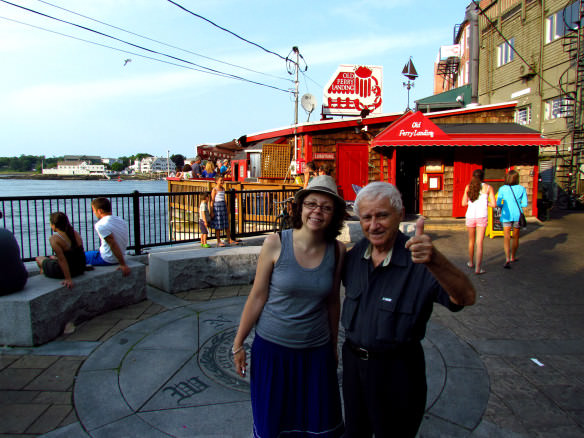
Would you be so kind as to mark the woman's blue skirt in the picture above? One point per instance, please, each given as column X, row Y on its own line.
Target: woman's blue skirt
column 294, row 392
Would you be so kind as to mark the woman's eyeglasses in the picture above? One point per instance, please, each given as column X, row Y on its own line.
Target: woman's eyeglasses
column 313, row 206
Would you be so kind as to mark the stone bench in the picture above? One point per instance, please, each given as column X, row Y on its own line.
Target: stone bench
column 40, row 312
column 180, row 270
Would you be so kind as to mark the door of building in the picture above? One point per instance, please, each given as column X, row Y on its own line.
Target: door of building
column 352, row 168
column 466, row 160
column 407, row 178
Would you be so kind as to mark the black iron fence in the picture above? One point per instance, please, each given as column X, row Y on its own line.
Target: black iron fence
column 154, row 219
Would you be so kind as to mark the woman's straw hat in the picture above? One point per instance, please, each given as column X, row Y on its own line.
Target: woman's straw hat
column 322, row 184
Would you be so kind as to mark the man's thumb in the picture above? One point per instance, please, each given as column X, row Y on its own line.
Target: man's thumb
column 420, row 226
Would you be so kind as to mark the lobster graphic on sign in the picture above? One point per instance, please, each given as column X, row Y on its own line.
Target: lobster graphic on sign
column 353, row 89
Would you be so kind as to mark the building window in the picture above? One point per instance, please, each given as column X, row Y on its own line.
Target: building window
column 505, row 52
column 556, row 108
column 523, row 115
column 558, row 24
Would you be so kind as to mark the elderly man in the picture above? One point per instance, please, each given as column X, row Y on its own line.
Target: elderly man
column 391, row 284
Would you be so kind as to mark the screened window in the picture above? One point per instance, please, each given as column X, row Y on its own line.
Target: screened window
column 558, row 24
column 523, row 115
column 505, row 53
column 556, row 108
column 255, row 165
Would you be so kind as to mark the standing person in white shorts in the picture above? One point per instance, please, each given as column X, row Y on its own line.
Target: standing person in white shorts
column 113, row 235
column 477, row 197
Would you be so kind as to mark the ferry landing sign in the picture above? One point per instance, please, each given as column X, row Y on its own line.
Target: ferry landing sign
column 352, row 89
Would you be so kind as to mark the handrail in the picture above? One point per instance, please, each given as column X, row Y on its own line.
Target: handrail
column 154, row 219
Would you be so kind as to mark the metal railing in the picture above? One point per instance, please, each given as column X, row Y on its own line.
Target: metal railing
column 154, row 219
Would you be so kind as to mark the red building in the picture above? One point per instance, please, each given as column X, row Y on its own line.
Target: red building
column 429, row 157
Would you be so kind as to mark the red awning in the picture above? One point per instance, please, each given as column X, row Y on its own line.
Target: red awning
column 414, row 129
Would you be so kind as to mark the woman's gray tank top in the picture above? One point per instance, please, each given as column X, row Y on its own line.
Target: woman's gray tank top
column 295, row 314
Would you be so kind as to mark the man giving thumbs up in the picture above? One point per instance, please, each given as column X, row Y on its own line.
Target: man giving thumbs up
column 391, row 284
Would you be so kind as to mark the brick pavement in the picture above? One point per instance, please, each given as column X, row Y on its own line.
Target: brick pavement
column 533, row 311
column 36, row 389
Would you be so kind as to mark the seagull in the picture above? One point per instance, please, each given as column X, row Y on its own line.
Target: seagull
column 126, row 61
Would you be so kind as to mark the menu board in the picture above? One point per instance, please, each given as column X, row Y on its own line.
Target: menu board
column 495, row 227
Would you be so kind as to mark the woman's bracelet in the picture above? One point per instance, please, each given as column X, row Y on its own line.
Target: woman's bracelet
column 236, row 350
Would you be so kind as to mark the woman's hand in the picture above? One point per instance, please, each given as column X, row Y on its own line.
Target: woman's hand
column 68, row 283
column 240, row 363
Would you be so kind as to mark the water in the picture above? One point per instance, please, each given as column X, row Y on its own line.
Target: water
column 29, row 220
column 34, row 187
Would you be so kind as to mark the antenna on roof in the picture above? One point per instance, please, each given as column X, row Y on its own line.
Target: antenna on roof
column 308, row 102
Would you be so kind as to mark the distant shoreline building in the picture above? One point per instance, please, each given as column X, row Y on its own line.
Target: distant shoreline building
column 76, row 168
column 156, row 165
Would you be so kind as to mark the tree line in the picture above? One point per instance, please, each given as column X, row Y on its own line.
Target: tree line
column 35, row 163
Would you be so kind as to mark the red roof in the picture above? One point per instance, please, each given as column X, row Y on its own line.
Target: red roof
column 415, row 129
column 323, row 125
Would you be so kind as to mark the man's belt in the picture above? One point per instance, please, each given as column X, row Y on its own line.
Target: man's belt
column 366, row 354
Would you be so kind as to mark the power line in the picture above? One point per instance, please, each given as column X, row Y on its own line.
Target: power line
column 312, row 80
column 111, row 47
column 163, row 43
column 512, row 46
column 227, row 30
column 290, row 62
column 208, row 69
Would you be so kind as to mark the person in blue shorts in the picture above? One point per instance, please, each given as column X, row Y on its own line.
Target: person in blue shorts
column 113, row 235
column 512, row 198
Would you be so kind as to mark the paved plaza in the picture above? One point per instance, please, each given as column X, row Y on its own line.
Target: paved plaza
column 510, row 366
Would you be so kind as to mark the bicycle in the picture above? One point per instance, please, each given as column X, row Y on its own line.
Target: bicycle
column 284, row 220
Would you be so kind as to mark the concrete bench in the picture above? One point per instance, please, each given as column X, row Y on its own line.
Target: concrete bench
column 39, row 313
column 180, row 270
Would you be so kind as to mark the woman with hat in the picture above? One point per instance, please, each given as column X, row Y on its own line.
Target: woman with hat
column 294, row 306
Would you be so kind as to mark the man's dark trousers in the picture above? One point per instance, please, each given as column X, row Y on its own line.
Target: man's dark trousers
column 384, row 394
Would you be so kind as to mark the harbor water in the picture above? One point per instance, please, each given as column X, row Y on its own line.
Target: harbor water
column 29, row 219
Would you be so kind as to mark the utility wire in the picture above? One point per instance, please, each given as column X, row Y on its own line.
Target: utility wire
column 163, row 43
column 146, row 49
column 291, row 65
column 112, row 48
column 226, row 30
column 312, row 80
column 512, row 46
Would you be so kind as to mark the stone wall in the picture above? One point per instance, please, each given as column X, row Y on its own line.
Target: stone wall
column 526, row 180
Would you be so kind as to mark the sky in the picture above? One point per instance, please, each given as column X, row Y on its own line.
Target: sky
column 61, row 95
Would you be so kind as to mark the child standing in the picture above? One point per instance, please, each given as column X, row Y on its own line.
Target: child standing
column 219, row 208
column 204, row 220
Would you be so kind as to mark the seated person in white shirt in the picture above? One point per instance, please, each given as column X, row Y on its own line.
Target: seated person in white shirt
column 113, row 235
